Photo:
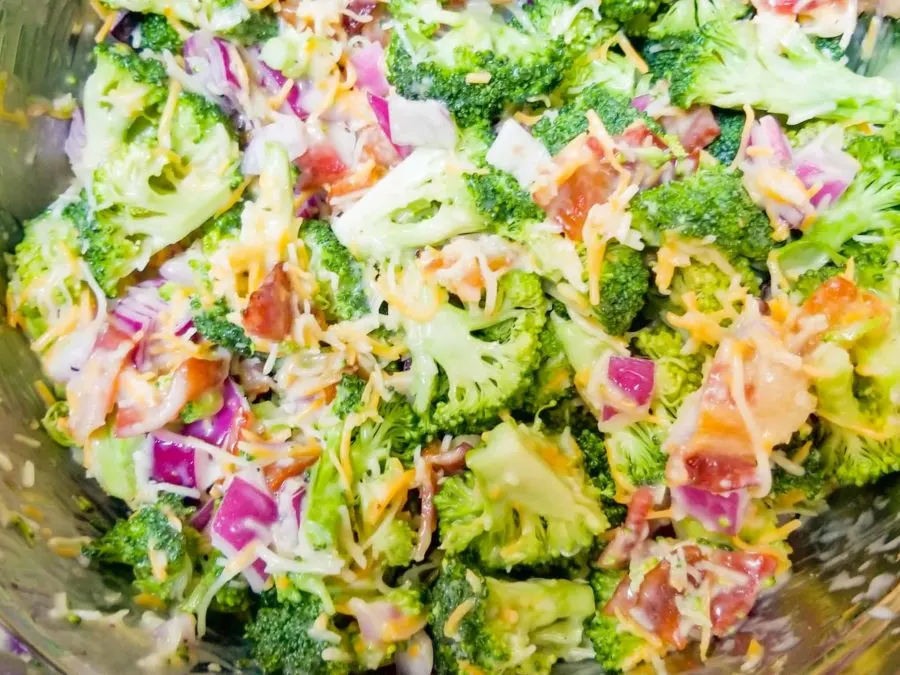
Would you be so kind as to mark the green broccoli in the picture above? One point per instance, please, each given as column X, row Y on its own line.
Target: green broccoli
column 873, row 266
column 220, row 228
column 624, row 284
column 617, row 75
column 731, row 129
column 614, row 648
column 504, row 626
column 112, row 462
column 813, row 481
column 348, row 396
column 147, row 197
column 467, row 367
column 579, row 33
column 205, row 406
column 729, row 64
column 710, row 204
column 233, row 598
column 339, row 291
column 499, row 199
column 685, row 16
column 596, row 466
column 280, row 639
column 44, row 272
column 56, row 423
column 553, row 377
column 423, row 63
column 636, row 452
column 155, row 33
column 213, row 324
column 524, row 501
column 677, row 374
column 869, row 206
column 613, row 109
column 159, row 552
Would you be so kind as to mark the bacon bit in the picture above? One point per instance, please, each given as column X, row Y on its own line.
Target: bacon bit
column 656, row 599
column 434, row 463
column 269, row 312
column 357, row 10
column 590, row 184
column 695, row 129
column 365, row 176
column 320, row 166
column 844, row 303
column 633, row 531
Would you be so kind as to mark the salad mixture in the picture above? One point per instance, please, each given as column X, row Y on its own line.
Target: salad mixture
column 471, row 336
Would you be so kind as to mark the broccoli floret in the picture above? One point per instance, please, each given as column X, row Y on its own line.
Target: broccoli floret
column 213, row 324
column 205, row 406
column 521, row 64
column 500, row 199
column 154, row 32
column 731, row 128
column 614, row 648
column 553, row 377
column 339, row 287
column 112, row 462
column 280, row 638
column 43, row 262
column 56, row 423
column 122, row 94
column 873, row 267
column 579, row 33
column 255, row 29
column 685, row 16
column 677, row 374
column 523, row 501
column 510, row 626
column 813, row 481
column 596, row 465
column 147, row 197
column 636, row 453
column 348, row 396
column 854, row 459
column 869, row 206
column 467, row 367
column 710, row 204
column 219, row 228
column 624, row 283
column 233, row 598
column 613, row 109
column 143, row 539
column 731, row 64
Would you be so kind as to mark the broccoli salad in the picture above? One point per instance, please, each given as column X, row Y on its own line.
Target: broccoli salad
column 468, row 336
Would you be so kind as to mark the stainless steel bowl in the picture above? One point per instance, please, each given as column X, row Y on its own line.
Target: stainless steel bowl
column 821, row 621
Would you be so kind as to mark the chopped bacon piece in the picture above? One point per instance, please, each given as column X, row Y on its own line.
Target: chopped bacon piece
column 434, row 464
column 655, row 601
column 696, row 129
column 731, row 605
column 92, row 392
column 277, row 473
column 191, row 379
column 632, row 532
column 590, row 184
column 360, row 9
column 845, row 304
column 269, row 313
column 319, row 166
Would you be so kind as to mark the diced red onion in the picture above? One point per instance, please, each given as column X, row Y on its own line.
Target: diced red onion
column 641, row 102
column 172, row 461
column 124, row 26
column 719, row 512
column 68, row 355
column 246, row 514
column 382, row 113
column 370, row 69
column 274, row 81
column 766, row 132
column 633, row 377
column 202, row 516
column 418, row 657
column 223, row 428
column 518, row 152
column 76, row 140
column 290, row 498
column 286, row 131
column 421, row 123
column 138, row 310
column 211, row 59
column 184, row 327
column 373, row 617
column 822, row 162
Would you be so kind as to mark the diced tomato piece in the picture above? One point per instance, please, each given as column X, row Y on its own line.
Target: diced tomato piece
column 320, row 165
column 695, row 129
column 844, row 304
column 269, row 313
column 590, row 184
column 362, row 9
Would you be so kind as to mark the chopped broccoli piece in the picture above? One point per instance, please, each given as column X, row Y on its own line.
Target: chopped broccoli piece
column 731, row 128
column 854, row 459
column 614, row 648
column 467, row 367
column 500, row 199
column 233, row 598
column 553, row 377
column 624, row 283
column 523, row 501
column 685, row 16
column 339, row 288
column 677, row 374
column 213, row 324
column 636, row 452
column 508, row 626
column 813, row 482
column 154, row 32
column 208, row 404
column 112, row 462
column 579, row 33
column 280, row 638
column 146, row 534
column 348, row 397
column 221, row 227
column 596, row 465
column 869, row 206
column 423, row 63
column 56, row 423
column 710, row 204
column 613, row 109
column 730, row 64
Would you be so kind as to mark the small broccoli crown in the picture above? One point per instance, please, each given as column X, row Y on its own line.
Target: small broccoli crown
column 596, row 466
column 219, row 228
column 145, row 535
column 636, row 453
column 624, row 284
column 56, row 423
column 348, row 396
column 233, row 598
column 521, row 65
column 710, row 204
column 614, row 648
column 553, row 377
column 524, row 501
column 731, row 128
column 145, row 71
column 280, row 639
column 635, row 14
column 707, row 283
column 156, row 34
column 500, row 199
column 107, row 253
column 854, row 459
column 466, row 367
column 685, row 16
column 213, row 324
column 506, row 626
column 677, row 374
column 813, row 482
column 579, row 33
column 728, row 64
column 259, row 27
column 339, row 292
column 614, row 110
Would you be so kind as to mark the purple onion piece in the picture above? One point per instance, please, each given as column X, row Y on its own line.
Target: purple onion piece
column 221, row 428
column 173, row 461
column 634, row 377
column 203, row 515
